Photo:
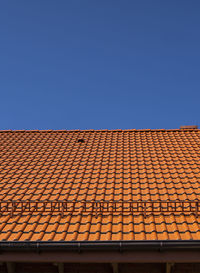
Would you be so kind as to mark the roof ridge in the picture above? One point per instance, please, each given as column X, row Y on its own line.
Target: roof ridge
column 98, row 130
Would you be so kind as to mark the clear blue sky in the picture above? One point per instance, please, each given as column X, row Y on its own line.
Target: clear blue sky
column 80, row 64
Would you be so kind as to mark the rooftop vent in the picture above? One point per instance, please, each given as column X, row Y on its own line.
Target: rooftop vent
column 81, row 140
column 189, row 127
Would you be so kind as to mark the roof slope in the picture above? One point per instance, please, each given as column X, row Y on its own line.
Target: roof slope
column 118, row 165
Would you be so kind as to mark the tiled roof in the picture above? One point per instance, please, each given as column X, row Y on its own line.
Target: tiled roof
column 118, row 165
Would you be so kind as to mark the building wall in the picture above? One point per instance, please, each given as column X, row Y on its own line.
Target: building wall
column 100, row 268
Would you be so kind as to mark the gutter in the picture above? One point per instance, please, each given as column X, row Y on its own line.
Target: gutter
column 79, row 246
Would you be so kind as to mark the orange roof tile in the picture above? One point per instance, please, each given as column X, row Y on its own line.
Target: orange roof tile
column 112, row 166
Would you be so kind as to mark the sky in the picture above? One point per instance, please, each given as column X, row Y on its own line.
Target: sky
column 108, row 64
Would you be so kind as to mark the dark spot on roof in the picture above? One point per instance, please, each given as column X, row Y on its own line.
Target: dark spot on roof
column 81, row 140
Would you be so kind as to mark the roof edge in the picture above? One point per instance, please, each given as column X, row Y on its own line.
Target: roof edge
column 100, row 130
column 79, row 246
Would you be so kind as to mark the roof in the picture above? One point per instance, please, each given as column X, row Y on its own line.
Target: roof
column 131, row 167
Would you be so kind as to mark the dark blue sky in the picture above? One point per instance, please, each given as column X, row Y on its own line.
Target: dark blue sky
column 79, row 64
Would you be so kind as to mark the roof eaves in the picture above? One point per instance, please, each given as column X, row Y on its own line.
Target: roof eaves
column 99, row 245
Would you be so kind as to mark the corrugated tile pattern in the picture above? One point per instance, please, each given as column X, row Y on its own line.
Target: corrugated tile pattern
column 118, row 165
